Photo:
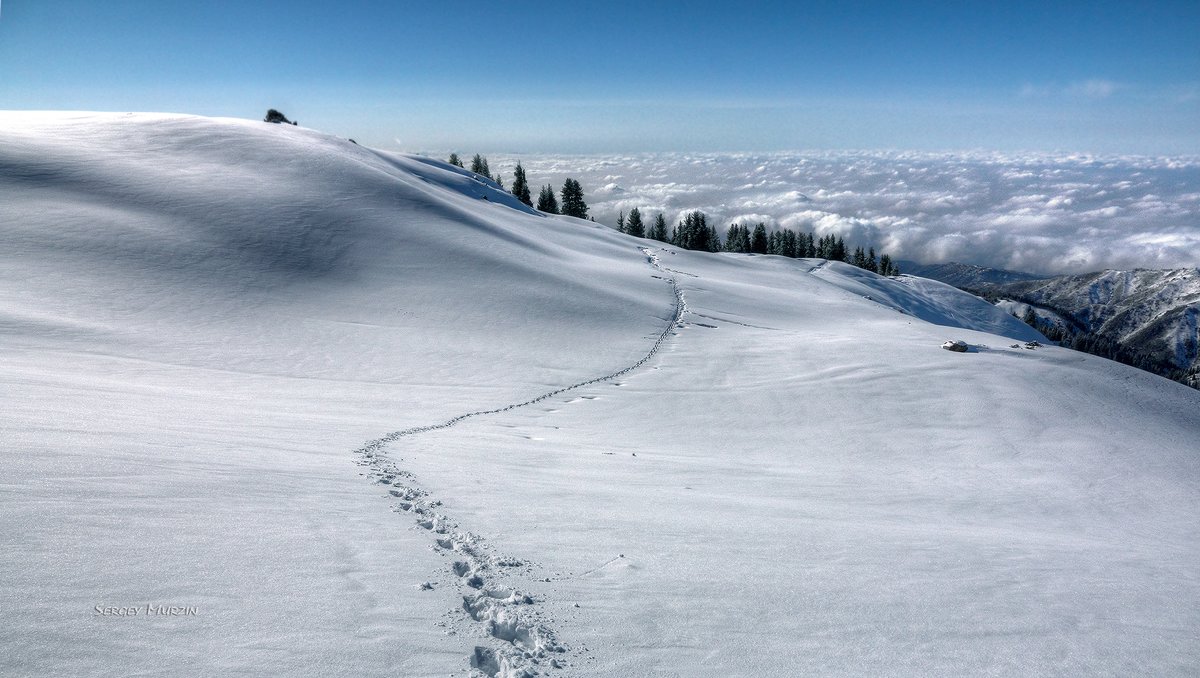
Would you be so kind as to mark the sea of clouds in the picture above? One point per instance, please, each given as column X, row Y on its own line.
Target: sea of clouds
column 1041, row 213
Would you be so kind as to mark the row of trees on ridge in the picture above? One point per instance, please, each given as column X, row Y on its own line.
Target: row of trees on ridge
column 572, row 205
column 694, row 232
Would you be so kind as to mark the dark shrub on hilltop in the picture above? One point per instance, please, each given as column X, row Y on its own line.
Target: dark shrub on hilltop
column 277, row 117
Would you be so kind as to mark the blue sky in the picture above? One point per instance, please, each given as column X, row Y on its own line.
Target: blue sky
column 633, row 76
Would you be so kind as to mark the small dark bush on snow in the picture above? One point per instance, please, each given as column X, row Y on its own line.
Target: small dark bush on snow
column 277, row 117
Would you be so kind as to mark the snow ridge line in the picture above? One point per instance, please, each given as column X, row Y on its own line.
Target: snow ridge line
column 527, row 646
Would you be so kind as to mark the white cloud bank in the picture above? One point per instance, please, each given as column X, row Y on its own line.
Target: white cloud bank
column 1039, row 213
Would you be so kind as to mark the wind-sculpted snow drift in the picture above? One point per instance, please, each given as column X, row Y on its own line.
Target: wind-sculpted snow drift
column 204, row 319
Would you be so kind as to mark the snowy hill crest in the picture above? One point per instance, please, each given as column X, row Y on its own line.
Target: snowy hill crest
column 607, row 456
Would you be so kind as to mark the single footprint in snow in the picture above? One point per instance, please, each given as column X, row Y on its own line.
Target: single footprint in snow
column 485, row 661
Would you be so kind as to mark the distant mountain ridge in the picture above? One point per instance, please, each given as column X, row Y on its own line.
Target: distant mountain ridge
column 1144, row 317
column 964, row 275
column 1150, row 315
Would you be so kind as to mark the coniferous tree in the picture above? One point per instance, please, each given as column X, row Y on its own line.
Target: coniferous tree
column 702, row 233
column 731, row 238
column 872, row 265
column 499, row 181
column 694, row 233
column 789, row 243
column 886, row 267
column 634, row 225
column 454, row 160
column 520, row 187
column 621, row 221
column 1030, row 318
column 572, row 200
column 546, row 201
column 832, row 247
column 659, row 230
column 738, row 239
column 810, row 247
column 479, row 166
column 859, row 258
column 758, row 241
column 698, row 232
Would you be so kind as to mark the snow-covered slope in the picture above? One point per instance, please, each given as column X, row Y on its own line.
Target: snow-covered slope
column 1045, row 318
column 360, row 413
column 932, row 301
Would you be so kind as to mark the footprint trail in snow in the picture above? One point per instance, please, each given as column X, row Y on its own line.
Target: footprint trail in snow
column 523, row 645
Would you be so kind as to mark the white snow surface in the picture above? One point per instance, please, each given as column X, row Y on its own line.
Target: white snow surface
column 230, row 346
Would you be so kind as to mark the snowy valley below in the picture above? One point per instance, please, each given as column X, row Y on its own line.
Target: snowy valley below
column 363, row 413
